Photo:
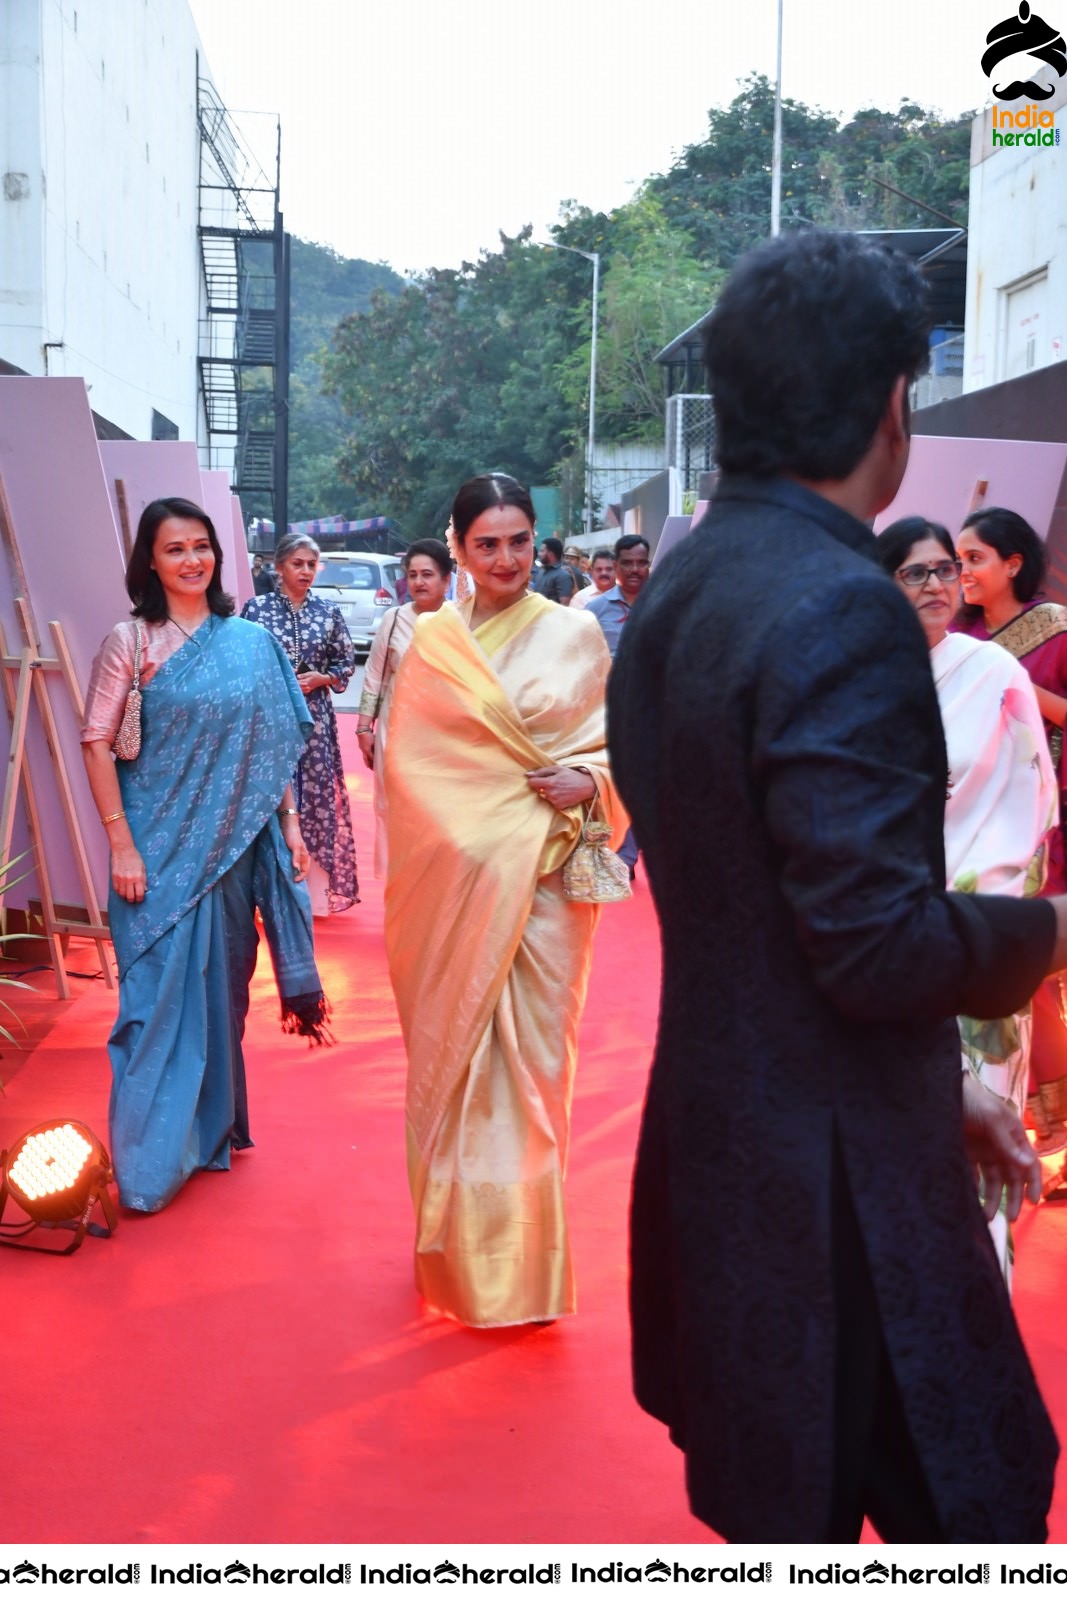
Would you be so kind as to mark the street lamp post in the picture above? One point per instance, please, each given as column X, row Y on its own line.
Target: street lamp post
column 594, row 257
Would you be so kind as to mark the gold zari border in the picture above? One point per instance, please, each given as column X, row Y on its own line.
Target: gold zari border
column 1031, row 630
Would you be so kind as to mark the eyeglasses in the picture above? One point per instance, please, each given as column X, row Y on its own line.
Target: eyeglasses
column 918, row 575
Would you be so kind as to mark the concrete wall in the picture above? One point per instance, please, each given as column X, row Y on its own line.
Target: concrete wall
column 1017, row 250
column 98, row 202
column 646, row 507
column 21, row 166
column 621, row 467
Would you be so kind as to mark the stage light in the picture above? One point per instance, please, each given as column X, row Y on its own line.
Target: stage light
column 56, row 1173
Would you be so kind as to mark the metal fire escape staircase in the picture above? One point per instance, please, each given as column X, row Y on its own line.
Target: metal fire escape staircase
column 244, row 326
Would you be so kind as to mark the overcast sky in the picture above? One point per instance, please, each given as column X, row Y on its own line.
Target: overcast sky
column 414, row 130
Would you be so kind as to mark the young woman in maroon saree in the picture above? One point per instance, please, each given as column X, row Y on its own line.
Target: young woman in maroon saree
column 1004, row 567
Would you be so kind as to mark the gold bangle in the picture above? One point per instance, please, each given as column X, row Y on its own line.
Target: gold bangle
column 288, row 811
column 115, row 816
column 360, row 730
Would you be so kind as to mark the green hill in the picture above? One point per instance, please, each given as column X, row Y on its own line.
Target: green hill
column 324, row 287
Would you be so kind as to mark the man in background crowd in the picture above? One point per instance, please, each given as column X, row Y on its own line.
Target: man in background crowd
column 577, row 560
column 632, row 567
column 262, row 581
column 612, row 609
column 602, row 574
column 556, row 582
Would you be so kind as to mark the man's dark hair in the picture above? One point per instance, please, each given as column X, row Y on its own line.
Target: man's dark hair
column 603, row 554
column 803, row 348
column 628, row 542
column 554, row 548
column 1010, row 535
column 142, row 581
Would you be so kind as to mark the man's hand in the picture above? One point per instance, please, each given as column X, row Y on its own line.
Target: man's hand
column 999, row 1151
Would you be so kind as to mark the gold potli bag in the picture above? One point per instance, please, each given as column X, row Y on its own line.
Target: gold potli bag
column 127, row 746
column 593, row 873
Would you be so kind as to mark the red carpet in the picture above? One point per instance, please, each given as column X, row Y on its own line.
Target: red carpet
column 252, row 1364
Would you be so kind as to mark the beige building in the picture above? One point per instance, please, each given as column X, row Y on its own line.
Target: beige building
column 1017, row 245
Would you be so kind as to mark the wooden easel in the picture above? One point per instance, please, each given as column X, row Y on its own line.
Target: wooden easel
column 978, row 494
column 124, row 517
column 26, row 684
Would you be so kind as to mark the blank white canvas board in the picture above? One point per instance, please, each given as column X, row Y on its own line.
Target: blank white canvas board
column 54, row 478
column 216, row 498
column 150, row 469
column 244, row 588
column 941, row 475
column 674, row 530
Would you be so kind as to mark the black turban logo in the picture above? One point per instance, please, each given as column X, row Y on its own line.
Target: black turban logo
column 1030, row 34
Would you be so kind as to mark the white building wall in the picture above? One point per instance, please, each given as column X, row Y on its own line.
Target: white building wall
column 99, row 252
column 21, row 165
column 1017, row 252
column 618, row 468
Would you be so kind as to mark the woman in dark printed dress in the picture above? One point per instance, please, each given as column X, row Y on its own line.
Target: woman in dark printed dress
column 314, row 637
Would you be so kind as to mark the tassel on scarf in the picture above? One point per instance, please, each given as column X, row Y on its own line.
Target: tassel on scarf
column 308, row 1014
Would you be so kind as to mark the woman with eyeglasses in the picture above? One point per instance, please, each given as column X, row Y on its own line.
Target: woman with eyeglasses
column 1001, row 801
column 1004, row 568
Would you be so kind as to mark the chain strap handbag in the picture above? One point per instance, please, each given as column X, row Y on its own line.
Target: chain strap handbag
column 593, row 874
column 127, row 746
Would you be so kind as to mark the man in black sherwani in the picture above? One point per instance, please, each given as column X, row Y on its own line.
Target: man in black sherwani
column 817, row 1310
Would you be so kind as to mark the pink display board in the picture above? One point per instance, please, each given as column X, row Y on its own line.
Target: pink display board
column 244, row 588
column 154, row 469
column 943, row 478
column 149, row 469
column 54, row 480
column 236, row 569
column 674, row 530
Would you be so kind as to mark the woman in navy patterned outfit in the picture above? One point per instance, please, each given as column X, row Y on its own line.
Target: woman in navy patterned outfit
column 317, row 642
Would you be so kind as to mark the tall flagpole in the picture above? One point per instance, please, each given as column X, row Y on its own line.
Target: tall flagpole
column 594, row 257
column 587, row 521
column 776, row 159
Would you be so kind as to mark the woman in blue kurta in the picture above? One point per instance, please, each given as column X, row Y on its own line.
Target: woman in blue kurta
column 203, row 832
column 318, row 645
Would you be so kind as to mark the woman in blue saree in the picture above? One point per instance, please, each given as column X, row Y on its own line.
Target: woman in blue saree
column 203, row 832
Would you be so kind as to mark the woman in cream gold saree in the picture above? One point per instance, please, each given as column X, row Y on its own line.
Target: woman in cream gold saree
column 496, row 742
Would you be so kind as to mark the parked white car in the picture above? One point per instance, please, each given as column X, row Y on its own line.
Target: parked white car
column 362, row 584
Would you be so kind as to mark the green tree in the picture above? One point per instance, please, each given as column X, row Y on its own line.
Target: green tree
column 719, row 190
column 487, row 366
column 455, row 375
column 324, row 287
column 653, row 288
column 911, row 151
